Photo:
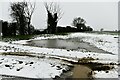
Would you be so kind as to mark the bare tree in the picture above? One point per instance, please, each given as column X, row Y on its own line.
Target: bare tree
column 17, row 13
column 22, row 13
column 54, row 14
column 28, row 13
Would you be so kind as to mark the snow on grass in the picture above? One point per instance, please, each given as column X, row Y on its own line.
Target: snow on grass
column 106, row 74
column 106, row 42
column 103, row 41
column 30, row 67
column 51, row 36
column 20, row 42
column 57, row 52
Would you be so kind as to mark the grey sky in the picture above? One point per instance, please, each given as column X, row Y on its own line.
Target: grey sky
column 97, row 14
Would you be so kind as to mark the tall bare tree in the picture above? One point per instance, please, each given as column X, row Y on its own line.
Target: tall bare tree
column 54, row 14
column 17, row 13
column 22, row 13
column 30, row 7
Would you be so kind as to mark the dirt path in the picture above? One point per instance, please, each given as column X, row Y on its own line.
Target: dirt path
column 81, row 71
column 78, row 72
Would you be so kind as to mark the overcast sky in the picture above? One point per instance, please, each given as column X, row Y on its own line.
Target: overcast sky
column 97, row 14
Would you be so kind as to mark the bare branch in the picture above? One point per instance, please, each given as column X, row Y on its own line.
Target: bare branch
column 54, row 14
column 53, row 8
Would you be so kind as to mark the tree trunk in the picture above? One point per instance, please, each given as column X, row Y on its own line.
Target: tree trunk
column 29, row 29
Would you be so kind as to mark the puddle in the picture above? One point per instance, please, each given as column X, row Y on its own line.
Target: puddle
column 65, row 44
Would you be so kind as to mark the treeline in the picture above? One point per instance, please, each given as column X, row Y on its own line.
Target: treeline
column 21, row 14
column 60, row 29
column 12, row 29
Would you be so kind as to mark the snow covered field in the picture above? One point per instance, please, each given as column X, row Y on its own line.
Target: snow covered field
column 103, row 41
column 31, row 67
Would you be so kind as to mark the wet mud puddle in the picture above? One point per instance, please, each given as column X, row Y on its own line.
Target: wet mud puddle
column 65, row 44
